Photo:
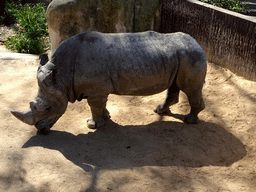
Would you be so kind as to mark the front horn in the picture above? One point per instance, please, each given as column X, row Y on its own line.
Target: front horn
column 25, row 116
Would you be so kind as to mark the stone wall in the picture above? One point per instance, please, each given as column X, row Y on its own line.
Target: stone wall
column 69, row 17
column 228, row 38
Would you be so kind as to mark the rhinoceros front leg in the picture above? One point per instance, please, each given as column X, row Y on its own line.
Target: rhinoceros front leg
column 99, row 111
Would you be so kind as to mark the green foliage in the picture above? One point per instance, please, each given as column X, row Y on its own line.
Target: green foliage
column 31, row 27
column 1, row 19
column 233, row 5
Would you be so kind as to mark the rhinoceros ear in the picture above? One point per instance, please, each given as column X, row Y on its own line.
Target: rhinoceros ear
column 46, row 74
column 43, row 59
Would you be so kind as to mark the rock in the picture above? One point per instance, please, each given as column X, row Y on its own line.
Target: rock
column 69, row 17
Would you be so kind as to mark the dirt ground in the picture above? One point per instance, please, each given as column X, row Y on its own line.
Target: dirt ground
column 137, row 150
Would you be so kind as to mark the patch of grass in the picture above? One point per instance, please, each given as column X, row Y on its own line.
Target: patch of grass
column 31, row 31
column 233, row 5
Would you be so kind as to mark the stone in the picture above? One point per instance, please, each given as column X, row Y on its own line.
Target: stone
column 66, row 18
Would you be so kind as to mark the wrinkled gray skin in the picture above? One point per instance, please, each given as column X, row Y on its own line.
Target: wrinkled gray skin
column 93, row 65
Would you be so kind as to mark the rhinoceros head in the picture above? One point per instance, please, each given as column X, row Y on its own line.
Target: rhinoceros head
column 49, row 104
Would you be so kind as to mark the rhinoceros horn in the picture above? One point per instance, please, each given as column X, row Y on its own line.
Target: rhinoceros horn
column 25, row 116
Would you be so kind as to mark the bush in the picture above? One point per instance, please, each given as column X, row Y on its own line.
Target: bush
column 7, row 19
column 233, row 5
column 31, row 28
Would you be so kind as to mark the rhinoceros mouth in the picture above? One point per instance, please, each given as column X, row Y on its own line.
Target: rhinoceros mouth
column 43, row 126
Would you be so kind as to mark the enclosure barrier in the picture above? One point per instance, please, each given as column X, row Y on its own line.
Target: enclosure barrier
column 228, row 38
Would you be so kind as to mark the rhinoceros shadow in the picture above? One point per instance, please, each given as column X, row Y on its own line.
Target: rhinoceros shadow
column 158, row 144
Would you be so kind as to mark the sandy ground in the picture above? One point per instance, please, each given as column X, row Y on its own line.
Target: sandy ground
column 137, row 150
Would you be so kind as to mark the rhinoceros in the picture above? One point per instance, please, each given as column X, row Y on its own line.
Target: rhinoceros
column 92, row 65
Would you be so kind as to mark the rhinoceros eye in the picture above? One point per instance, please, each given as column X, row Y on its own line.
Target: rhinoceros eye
column 48, row 108
column 33, row 105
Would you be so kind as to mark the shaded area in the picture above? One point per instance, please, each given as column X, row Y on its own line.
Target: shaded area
column 173, row 146
column 116, row 147
column 13, row 174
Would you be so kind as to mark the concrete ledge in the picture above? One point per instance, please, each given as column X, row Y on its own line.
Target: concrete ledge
column 225, row 11
column 16, row 56
column 228, row 38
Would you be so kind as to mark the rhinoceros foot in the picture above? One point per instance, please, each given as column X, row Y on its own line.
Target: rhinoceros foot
column 44, row 131
column 192, row 119
column 160, row 109
column 95, row 123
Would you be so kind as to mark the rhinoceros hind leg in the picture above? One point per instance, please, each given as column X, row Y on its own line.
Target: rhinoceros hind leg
column 106, row 114
column 172, row 97
column 99, row 111
column 197, row 105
